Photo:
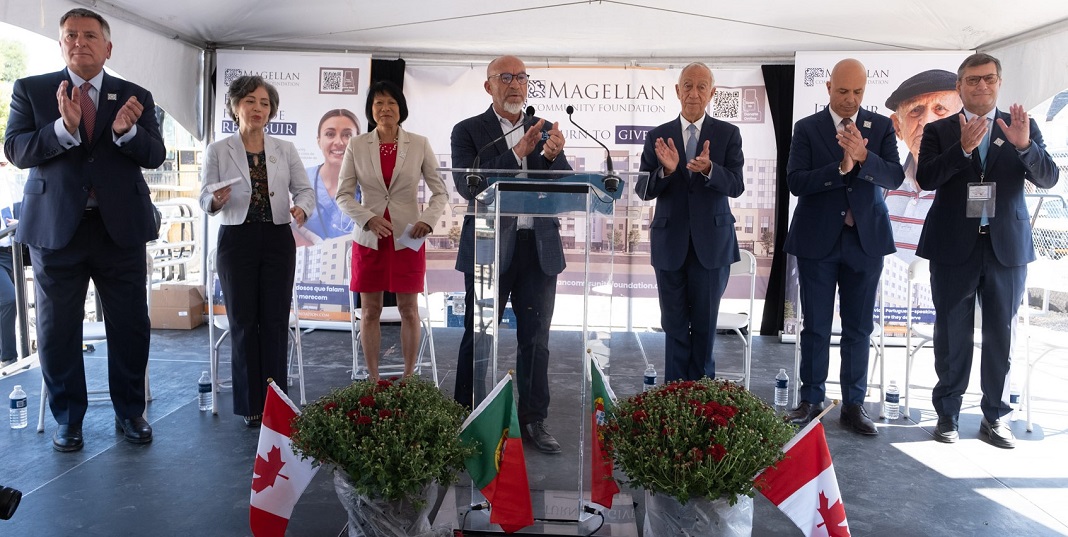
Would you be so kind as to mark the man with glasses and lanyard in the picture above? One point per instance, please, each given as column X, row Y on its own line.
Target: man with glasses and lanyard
column 531, row 254
column 978, row 238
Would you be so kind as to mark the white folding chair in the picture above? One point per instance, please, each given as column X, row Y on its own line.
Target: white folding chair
column 1045, row 275
column 222, row 323
column 391, row 314
column 93, row 332
column 922, row 333
column 736, row 322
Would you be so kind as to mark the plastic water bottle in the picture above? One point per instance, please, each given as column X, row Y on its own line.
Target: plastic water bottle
column 18, row 408
column 891, row 407
column 204, row 392
column 782, row 389
column 1014, row 399
column 649, row 381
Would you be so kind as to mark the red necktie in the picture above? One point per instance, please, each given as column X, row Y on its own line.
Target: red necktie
column 88, row 111
column 849, row 212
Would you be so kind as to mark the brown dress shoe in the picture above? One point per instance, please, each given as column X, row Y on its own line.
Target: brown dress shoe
column 804, row 413
column 856, row 418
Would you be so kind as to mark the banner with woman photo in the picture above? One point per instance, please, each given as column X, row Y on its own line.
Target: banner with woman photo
column 321, row 105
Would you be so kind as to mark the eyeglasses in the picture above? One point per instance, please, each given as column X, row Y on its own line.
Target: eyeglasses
column 507, row 78
column 989, row 79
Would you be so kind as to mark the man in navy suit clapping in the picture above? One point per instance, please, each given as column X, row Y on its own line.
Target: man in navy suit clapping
column 694, row 164
column 87, row 214
column 841, row 160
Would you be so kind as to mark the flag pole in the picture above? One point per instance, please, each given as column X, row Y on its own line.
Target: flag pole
column 834, row 403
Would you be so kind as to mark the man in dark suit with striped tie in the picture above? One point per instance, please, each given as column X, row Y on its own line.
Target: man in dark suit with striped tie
column 85, row 136
column 842, row 158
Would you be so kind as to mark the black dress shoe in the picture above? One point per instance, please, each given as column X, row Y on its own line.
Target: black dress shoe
column 804, row 413
column 998, row 433
column 68, row 438
column 252, row 421
column 135, row 430
column 856, row 418
column 946, row 430
column 540, row 437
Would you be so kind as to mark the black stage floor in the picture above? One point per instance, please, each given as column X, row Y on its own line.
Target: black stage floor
column 194, row 479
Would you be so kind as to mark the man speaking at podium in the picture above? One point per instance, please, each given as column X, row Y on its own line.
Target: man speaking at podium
column 505, row 138
column 694, row 164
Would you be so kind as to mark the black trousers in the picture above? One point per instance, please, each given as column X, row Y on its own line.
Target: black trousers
column 533, row 296
column 256, row 263
column 62, row 279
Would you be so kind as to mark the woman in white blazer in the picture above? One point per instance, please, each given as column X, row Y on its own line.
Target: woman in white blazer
column 248, row 180
column 387, row 164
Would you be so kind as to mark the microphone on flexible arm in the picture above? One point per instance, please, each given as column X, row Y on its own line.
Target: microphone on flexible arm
column 611, row 180
column 474, row 178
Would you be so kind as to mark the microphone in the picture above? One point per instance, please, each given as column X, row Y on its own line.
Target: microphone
column 611, row 180
column 473, row 178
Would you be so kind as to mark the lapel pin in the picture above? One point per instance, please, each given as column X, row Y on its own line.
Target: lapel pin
column 272, row 159
column 998, row 142
column 113, row 97
column 867, row 124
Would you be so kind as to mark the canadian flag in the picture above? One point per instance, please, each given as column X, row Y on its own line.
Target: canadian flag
column 279, row 477
column 805, row 487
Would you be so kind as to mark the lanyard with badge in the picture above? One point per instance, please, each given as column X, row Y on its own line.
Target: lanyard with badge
column 982, row 195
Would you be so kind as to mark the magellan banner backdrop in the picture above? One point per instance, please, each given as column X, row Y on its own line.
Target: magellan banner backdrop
column 617, row 106
column 912, row 88
column 310, row 85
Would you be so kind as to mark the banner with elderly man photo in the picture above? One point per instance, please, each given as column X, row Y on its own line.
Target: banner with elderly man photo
column 912, row 89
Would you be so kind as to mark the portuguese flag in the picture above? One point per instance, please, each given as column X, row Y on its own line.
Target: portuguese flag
column 602, row 485
column 499, row 470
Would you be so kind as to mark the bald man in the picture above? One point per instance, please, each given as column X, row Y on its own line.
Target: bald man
column 531, row 253
column 841, row 160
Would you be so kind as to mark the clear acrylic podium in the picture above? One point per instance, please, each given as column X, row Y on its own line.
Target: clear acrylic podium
column 583, row 209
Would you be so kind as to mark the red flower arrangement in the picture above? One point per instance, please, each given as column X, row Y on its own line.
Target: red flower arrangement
column 391, row 437
column 691, row 439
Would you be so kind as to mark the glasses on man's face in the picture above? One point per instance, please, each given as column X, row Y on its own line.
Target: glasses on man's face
column 989, row 79
column 507, row 78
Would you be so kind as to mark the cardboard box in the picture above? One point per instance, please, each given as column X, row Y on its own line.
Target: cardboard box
column 177, row 306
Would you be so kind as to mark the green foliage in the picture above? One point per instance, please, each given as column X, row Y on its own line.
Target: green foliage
column 703, row 439
column 5, row 109
column 12, row 60
column 12, row 67
column 391, row 437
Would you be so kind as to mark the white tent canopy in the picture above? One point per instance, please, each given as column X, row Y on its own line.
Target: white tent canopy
column 163, row 44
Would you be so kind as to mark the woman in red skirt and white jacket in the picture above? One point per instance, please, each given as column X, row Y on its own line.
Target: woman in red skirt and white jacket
column 388, row 164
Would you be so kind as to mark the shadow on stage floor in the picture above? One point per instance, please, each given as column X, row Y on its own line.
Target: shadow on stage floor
column 194, row 478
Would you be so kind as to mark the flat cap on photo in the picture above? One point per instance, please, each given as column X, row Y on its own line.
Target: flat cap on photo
column 920, row 83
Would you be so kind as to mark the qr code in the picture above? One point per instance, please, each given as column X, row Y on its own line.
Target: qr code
column 535, row 89
column 330, row 79
column 230, row 75
column 812, row 73
column 725, row 104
